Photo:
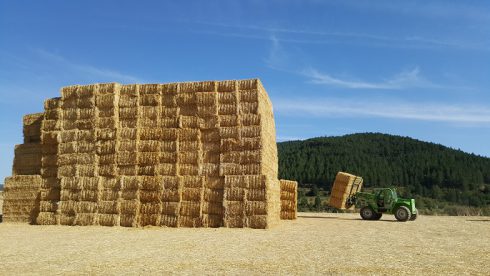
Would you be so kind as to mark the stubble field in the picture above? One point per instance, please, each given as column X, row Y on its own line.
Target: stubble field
column 338, row 244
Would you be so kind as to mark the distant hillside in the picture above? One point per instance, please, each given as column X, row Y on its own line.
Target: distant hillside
column 423, row 169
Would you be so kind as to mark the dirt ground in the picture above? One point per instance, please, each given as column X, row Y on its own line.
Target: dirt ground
column 336, row 244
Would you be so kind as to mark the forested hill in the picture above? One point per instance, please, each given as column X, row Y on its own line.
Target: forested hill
column 425, row 169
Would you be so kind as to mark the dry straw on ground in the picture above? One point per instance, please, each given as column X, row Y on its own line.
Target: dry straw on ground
column 197, row 154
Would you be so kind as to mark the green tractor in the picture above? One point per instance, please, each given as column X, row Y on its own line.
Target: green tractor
column 383, row 201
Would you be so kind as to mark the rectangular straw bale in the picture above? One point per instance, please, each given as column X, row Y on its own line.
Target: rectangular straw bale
column 234, row 194
column 230, row 157
column 109, row 219
column 127, row 101
column 150, row 195
column 167, row 169
column 107, row 159
column 210, row 135
column 49, row 138
column 70, row 183
column 128, row 133
column 171, row 195
column 67, row 171
column 171, row 182
column 213, row 195
column 87, row 170
column 250, row 131
column 150, row 89
column 202, row 86
column 150, row 100
column 190, row 122
column 50, row 182
column 129, row 220
column 85, row 219
column 226, row 86
column 168, row 157
column 86, row 135
column 130, row 206
column 52, row 114
column 253, row 208
column 211, row 155
column 106, row 147
column 211, row 220
column 48, row 206
column 151, row 208
column 207, row 98
column 186, row 99
column 170, row 112
column 234, row 208
column 68, row 148
column 47, row 218
column 233, row 221
column 128, row 123
column 229, row 120
column 65, row 219
column 148, row 159
column 50, row 125
column 210, row 169
column 171, row 208
column 249, row 95
column 127, row 146
column 226, row 169
column 129, row 170
column 149, row 112
column 151, row 134
column 229, row 133
column 106, row 122
column 190, row 208
column 130, row 182
column 149, row 219
column 248, row 84
column 187, row 146
column 189, row 169
column 70, row 114
column 169, row 122
column 227, row 109
column 125, row 158
column 258, row 221
column 256, row 195
column 68, row 136
column 86, row 113
column 85, row 124
column 109, row 195
column 249, row 108
column 209, row 122
column 251, row 169
column 86, row 195
column 148, row 146
column 67, row 125
column 52, row 103
column 105, row 134
column 148, row 122
column 106, row 101
column 250, row 119
column 169, row 221
column 207, row 111
column 192, row 194
column 128, row 112
column 106, row 170
column 189, row 157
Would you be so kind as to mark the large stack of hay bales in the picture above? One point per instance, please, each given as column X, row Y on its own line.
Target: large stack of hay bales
column 197, row 154
column 344, row 186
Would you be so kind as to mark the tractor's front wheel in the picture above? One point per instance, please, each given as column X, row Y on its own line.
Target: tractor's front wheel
column 367, row 213
column 413, row 217
column 402, row 213
column 377, row 216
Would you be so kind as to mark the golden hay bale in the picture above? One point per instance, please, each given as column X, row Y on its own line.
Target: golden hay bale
column 65, row 219
column 150, row 89
column 148, row 145
column 169, row 221
column 49, row 137
column 168, row 157
column 190, row 121
column 130, row 206
column 50, row 194
column 127, row 145
column 208, row 112
column 190, row 208
column 171, row 208
column 109, row 194
column 106, row 122
column 148, row 158
column 249, row 84
column 189, row 157
column 151, row 208
column 48, row 206
column 105, row 134
column 169, row 112
column 151, row 182
column 128, row 112
column 106, row 147
column 191, row 181
column 189, row 221
column 151, row 134
column 229, row 133
column 249, row 95
column 230, row 157
column 212, row 220
column 258, row 221
column 253, row 208
column 129, row 170
column 213, row 208
column 210, row 169
column 213, row 195
column 126, row 158
column 86, row 113
column 129, row 220
column 108, row 219
column 250, row 131
column 192, row 194
column 47, row 218
column 167, row 169
column 169, row 122
column 228, row 109
column 90, row 170
column 49, row 172
column 107, row 159
column 52, row 103
column 52, row 114
column 68, row 136
column 130, row 182
column 186, row 98
column 228, row 85
column 149, row 219
column 150, row 196
column 85, row 124
column 189, row 169
column 256, row 195
column 248, row 108
column 171, row 182
column 108, row 207
column 50, row 125
column 233, row 208
column 67, row 171
column 226, row 169
column 84, row 219
column 106, row 101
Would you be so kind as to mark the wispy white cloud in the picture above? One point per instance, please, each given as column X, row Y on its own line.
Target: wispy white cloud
column 403, row 80
column 434, row 112
column 84, row 69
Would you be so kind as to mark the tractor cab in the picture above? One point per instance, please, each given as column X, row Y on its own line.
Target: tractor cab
column 385, row 198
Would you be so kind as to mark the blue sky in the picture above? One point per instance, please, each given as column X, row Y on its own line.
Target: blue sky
column 411, row 68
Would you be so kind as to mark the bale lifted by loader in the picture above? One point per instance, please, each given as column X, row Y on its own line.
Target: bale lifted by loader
column 346, row 194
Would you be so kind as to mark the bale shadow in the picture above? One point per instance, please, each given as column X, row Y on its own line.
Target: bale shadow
column 479, row 220
column 339, row 218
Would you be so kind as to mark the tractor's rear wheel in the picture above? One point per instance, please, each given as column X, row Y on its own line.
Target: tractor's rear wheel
column 367, row 213
column 402, row 213
column 377, row 216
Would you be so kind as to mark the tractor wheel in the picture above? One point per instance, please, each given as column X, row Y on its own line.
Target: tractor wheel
column 402, row 213
column 413, row 217
column 377, row 216
column 367, row 213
